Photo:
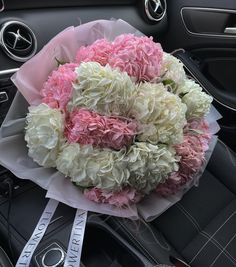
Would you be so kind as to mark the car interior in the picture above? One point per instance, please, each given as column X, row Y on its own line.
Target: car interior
column 200, row 229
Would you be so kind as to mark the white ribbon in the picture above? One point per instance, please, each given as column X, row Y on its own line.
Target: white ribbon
column 39, row 231
column 76, row 239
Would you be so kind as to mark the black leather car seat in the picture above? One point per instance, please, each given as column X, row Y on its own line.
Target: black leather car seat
column 202, row 226
column 4, row 260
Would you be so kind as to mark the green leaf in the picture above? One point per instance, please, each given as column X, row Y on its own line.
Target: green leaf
column 168, row 82
column 182, row 94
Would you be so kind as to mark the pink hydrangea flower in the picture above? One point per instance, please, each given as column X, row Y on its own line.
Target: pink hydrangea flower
column 99, row 52
column 192, row 152
column 172, row 185
column 125, row 197
column 57, row 90
column 140, row 57
column 88, row 127
column 202, row 127
column 192, row 157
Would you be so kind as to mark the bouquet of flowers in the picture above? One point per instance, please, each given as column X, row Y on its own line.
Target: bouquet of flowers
column 118, row 118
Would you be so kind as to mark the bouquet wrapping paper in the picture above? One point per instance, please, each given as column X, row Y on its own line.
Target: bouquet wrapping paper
column 29, row 81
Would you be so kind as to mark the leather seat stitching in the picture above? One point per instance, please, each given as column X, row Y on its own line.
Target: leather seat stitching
column 218, row 256
column 205, row 234
column 211, row 237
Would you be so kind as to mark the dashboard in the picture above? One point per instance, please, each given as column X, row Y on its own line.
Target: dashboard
column 46, row 19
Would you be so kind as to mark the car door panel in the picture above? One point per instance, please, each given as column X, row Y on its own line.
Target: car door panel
column 206, row 30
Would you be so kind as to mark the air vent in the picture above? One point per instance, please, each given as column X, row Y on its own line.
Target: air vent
column 155, row 10
column 18, row 40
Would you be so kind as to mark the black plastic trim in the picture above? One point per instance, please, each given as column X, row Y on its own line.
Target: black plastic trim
column 26, row 4
column 227, row 100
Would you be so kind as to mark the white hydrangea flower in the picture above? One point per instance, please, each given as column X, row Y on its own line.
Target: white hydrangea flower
column 142, row 167
column 149, row 165
column 102, row 89
column 161, row 114
column 44, row 134
column 87, row 166
column 198, row 102
column 186, row 86
column 172, row 69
